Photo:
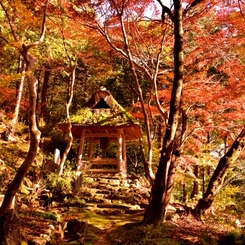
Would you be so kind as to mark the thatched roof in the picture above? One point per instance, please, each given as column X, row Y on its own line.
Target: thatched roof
column 100, row 98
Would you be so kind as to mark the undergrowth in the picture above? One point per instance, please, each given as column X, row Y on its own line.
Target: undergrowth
column 40, row 214
column 235, row 237
column 145, row 235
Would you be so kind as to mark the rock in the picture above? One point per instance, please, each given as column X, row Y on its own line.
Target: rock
column 114, row 182
column 121, row 175
column 95, row 184
column 76, row 226
column 115, row 188
column 124, row 183
column 10, row 228
column 32, row 243
column 171, row 209
column 144, row 182
column 103, row 181
column 135, row 183
column 98, row 197
column 104, row 192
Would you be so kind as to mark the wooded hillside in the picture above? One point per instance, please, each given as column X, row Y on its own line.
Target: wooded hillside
column 176, row 68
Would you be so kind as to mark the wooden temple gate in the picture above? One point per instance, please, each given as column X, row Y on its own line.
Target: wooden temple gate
column 100, row 135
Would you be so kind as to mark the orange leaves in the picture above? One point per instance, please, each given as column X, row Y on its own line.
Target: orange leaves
column 8, row 100
column 150, row 109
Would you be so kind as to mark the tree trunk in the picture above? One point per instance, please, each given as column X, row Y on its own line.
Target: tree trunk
column 203, row 180
column 19, row 94
column 195, row 182
column 147, row 161
column 70, row 136
column 9, row 133
column 185, row 193
column 164, row 176
column 218, row 176
column 34, row 134
column 43, row 113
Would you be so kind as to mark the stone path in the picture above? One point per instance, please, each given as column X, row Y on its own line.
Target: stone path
column 113, row 194
column 110, row 202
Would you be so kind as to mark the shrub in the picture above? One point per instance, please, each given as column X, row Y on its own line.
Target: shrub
column 58, row 183
column 235, row 237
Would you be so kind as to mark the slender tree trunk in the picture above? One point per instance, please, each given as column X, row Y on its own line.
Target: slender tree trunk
column 185, row 193
column 70, row 136
column 176, row 152
column 218, row 176
column 19, row 90
column 34, row 134
column 147, row 161
column 19, row 96
column 43, row 113
column 203, row 180
column 163, row 181
column 195, row 182
column 160, row 134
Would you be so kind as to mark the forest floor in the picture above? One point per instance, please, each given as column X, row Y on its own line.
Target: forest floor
column 110, row 217
column 125, row 229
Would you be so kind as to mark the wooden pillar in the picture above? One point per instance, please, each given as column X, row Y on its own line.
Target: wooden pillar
column 78, row 183
column 119, row 150
column 80, row 151
column 124, row 156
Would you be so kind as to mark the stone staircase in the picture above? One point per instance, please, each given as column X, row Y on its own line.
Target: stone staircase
column 112, row 194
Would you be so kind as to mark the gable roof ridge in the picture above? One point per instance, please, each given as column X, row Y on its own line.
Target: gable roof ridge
column 104, row 94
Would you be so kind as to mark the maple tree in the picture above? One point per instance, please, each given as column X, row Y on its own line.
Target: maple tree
column 35, row 134
column 163, row 183
column 213, row 83
column 71, row 82
column 224, row 110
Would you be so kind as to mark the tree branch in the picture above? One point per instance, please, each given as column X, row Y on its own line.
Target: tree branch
column 191, row 5
column 166, row 10
column 11, row 23
column 4, row 39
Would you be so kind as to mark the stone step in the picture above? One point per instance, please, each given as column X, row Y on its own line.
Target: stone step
column 114, row 194
column 113, row 209
column 118, row 206
column 103, row 170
